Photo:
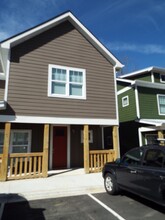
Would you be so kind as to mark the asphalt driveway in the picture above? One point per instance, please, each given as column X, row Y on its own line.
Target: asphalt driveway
column 89, row 206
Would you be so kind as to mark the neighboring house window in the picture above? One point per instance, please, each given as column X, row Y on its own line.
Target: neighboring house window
column 125, row 101
column 66, row 82
column 154, row 158
column 162, row 78
column 161, row 104
column 90, row 136
column 20, row 141
column 151, row 138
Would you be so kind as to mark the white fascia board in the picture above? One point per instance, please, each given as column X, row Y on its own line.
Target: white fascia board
column 2, row 105
column 34, row 31
column 55, row 120
column 149, row 84
column 54, row 22
column 137, row 72
column 151, row 122
column 125, row 80
column 149, row 69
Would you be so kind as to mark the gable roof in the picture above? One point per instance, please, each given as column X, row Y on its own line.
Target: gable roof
column 142, row 71
column 67, row 16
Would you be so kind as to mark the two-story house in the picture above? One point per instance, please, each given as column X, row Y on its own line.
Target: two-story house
column 141, row 103
column 57, row 95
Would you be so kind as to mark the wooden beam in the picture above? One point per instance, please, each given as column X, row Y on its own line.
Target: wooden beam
column 161, row 136
column 5, row 155
column 45, row 151
column 115, row 135
column 86, row 148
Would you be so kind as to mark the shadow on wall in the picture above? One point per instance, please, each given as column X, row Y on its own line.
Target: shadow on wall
column 14, row 206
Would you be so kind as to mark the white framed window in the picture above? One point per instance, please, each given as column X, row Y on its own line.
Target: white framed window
column 161, row 104
column 20, row 141
column 90, row 136
column 125, row 101
column 66, row 82
column 162, row 78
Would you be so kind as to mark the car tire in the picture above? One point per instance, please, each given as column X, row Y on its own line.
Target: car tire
column 110, row 184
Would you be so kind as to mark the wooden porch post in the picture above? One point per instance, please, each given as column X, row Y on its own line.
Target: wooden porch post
column 115, row 135
column 4, row 166
column 161, row 136
column 45, row 151
column 86, row 148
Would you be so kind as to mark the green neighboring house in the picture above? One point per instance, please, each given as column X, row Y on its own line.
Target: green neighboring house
column 141, row 104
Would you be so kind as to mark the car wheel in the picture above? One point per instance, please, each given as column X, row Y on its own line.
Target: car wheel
column 110, row 184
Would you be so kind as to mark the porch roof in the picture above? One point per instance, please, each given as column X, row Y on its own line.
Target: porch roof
column 156, row 122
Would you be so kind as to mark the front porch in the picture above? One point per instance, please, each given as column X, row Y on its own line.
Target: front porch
column 35, row 164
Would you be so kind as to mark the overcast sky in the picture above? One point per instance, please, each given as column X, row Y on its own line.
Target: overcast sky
column 133, row 30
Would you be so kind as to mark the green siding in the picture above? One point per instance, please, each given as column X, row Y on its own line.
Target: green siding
column 144, row 77
column 127, row 113
column 122, row 85
column 148, row 103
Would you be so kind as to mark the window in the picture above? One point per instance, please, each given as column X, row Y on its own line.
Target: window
column 162, row 78
column 133, row 157
column 154, row 158
column 66, row 82
column 20, row 141
column 90, row 136
column 161, row 104
column 125, row 101
column 151, row 138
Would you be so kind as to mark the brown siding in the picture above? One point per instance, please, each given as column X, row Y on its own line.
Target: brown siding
column 62, row 45
column 37, row 134
column 2, row 89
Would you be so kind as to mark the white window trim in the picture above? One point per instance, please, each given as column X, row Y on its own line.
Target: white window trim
column 20, row 131
column 67, row 82
column 159, row 104
column 90, row 136
column 125, row 97
column 161, row 78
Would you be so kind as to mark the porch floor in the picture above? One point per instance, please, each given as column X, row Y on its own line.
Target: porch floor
column 59, row 183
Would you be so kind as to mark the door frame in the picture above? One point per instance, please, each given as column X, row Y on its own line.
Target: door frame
column 51, row 145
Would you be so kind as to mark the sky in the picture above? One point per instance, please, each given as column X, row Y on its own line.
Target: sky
column 132, row 30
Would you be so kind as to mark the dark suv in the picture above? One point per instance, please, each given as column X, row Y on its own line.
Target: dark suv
column 140, row 171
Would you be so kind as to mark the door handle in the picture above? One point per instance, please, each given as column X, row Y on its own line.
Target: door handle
column 133, row 171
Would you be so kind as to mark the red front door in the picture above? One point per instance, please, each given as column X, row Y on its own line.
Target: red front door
column 59, row 147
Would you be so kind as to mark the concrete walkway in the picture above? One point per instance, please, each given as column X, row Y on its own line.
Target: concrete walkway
column 59, row 184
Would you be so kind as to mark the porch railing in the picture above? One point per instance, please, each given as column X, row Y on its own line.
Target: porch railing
column 25, row 165
column 97, row 159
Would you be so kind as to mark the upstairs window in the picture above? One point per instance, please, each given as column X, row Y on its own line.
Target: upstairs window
column 66, row 82
column 125, row 101
column 162, row 78
column 161, row 104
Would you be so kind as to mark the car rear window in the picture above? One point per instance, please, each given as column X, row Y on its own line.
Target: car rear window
column 154, row 158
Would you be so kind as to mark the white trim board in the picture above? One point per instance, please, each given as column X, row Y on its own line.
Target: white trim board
column 56, row 120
